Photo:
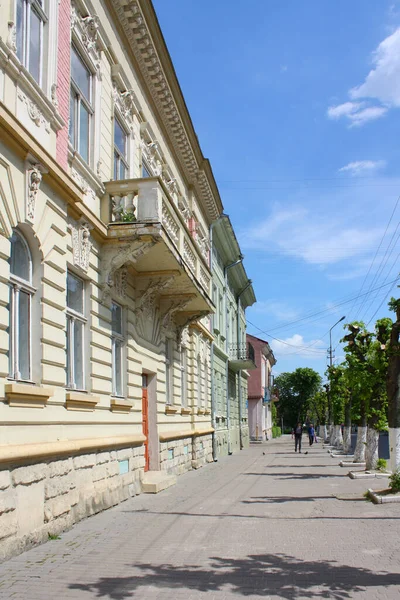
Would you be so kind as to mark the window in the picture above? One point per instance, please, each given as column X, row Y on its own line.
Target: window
column 184, row 375
column 199, row 376
column 81, row 109
column 206, row 391
column 145, row 170
column 121, row 167
column 21, row 292
column 168, row 372
column 117, row 349
column 75, row 332
column 31, row 20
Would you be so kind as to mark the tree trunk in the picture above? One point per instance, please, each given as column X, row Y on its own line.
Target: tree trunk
column 331, row 434
column 347, row 428
column 323, row 433
column 371, row 452
column 359, row 452
column 393, row 393
column 337, row 438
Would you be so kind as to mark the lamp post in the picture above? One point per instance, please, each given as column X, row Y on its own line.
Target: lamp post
column 330, row 341
column 330, row 365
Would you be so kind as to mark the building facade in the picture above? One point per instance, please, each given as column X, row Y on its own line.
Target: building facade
column 106, row 202
column 232, row 293
column 260, row 396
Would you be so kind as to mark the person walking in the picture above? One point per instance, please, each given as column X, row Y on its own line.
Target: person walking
column 298, row 431
column 311, row 434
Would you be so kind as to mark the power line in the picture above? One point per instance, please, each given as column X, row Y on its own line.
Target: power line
column 377, row 251
column 388, row 294
column 283, row 341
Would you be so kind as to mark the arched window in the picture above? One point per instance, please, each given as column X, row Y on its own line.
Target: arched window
column 21, row 292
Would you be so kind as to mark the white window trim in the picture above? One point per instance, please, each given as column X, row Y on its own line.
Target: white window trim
column 127, row 159
column 184, row 376
column 89, row 104
column 199, row 386
column 72, row 315
column 169, row 375
column 116, row 338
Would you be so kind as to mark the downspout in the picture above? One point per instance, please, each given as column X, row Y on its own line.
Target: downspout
column 239, row 304
column 213, row 403
column 228, row 408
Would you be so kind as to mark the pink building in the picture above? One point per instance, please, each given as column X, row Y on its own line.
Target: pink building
column 260, row 390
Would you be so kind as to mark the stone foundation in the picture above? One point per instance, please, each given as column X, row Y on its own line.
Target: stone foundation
column 179, row 456
column 42, row 499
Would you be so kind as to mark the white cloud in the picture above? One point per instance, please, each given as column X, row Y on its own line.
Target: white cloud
column 383, row 81
column 315, row 237
column 298, row 346
column 362, row 166
column 357, row 113
column 275, row 309
column 381, row 86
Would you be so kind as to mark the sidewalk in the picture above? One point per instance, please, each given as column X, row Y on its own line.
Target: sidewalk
column 250, row 526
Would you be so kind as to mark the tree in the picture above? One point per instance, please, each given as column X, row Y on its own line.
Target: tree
column 393, row 387
column 318, row 411
column 295, row 391
column 339, row 398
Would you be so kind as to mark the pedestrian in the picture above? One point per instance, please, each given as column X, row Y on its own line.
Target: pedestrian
column 292, row 433
column 298, row 430
column 311, row 434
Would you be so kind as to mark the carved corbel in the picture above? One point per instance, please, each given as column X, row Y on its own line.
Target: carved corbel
column 34, row 174
column 117, row 256
column 11, row 41
column 187, row 320
column 176, row 305
column 155, row 287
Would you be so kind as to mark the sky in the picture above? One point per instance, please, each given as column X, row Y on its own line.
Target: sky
column 297, row 106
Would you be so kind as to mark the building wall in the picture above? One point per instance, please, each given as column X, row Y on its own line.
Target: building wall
column 65, row 454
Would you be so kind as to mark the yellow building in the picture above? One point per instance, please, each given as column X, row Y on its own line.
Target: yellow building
column 105, row 288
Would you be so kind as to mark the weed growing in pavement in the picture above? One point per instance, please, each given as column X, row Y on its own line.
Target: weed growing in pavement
column 367, row 497
column 53, row 536
column 394, row 481
column 381, row 464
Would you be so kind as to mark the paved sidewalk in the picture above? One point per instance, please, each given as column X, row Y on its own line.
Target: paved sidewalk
column 250, row 526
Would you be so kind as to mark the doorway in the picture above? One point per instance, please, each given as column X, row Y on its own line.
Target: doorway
column 145, row 420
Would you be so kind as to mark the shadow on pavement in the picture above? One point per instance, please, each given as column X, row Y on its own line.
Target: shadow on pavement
column 281, row 499
column 298, row 475
column 260, row 574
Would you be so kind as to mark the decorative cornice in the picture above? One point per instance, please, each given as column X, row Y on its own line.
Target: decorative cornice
column 147, row 55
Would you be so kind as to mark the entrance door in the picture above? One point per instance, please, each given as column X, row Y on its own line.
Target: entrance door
column 145, row 421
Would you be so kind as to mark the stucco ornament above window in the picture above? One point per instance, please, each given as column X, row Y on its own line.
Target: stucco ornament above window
column 81, row 244
column 86, row 29
column 33, row 179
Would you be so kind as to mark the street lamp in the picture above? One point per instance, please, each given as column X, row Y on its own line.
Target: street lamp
column 330, row 341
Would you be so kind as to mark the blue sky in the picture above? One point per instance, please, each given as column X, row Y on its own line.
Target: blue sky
column 296, row 104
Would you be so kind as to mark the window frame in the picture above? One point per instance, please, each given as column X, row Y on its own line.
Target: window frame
column 118, row 157
column 184, row 377
column 71, row 316
column 23, row 53
column 199, row 366
column 78, row 98
column 117, row 339
column 18, row 285
column 169, row 374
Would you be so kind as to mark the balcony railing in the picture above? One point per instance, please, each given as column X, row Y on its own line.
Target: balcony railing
column 146, row 201
column 241, row 356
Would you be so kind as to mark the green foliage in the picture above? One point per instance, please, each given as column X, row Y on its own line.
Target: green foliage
column 295, row 390
column 53, row 536
column 381, row 464
column 338, row 391
column 394, row 481
column 318, row 408
column 127, row 217
column 276, row 432
column 274, row 413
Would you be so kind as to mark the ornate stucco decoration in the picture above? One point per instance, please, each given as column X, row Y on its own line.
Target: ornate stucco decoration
column 153, row 289
column 81, row 244
column 11, row 41
column 87, row 30
column 34, row 112
column 140, row 39
column 184, row 207
column 186, row 319
column 54, row 98
column 168, row 325
column 151, row 153
column 126, row 103
column 115, row 257
column 33, row 180
column 121, row 282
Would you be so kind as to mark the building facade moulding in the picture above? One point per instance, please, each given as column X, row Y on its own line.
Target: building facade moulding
column 34, row 175
column 81, row 243
column 142, row 44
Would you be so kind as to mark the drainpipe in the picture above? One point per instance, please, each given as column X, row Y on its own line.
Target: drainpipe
column 213, row 403
column 228, row 409
column 239, row 304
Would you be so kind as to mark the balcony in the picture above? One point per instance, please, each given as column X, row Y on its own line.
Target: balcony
column 241, row 357
column 147, row 232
